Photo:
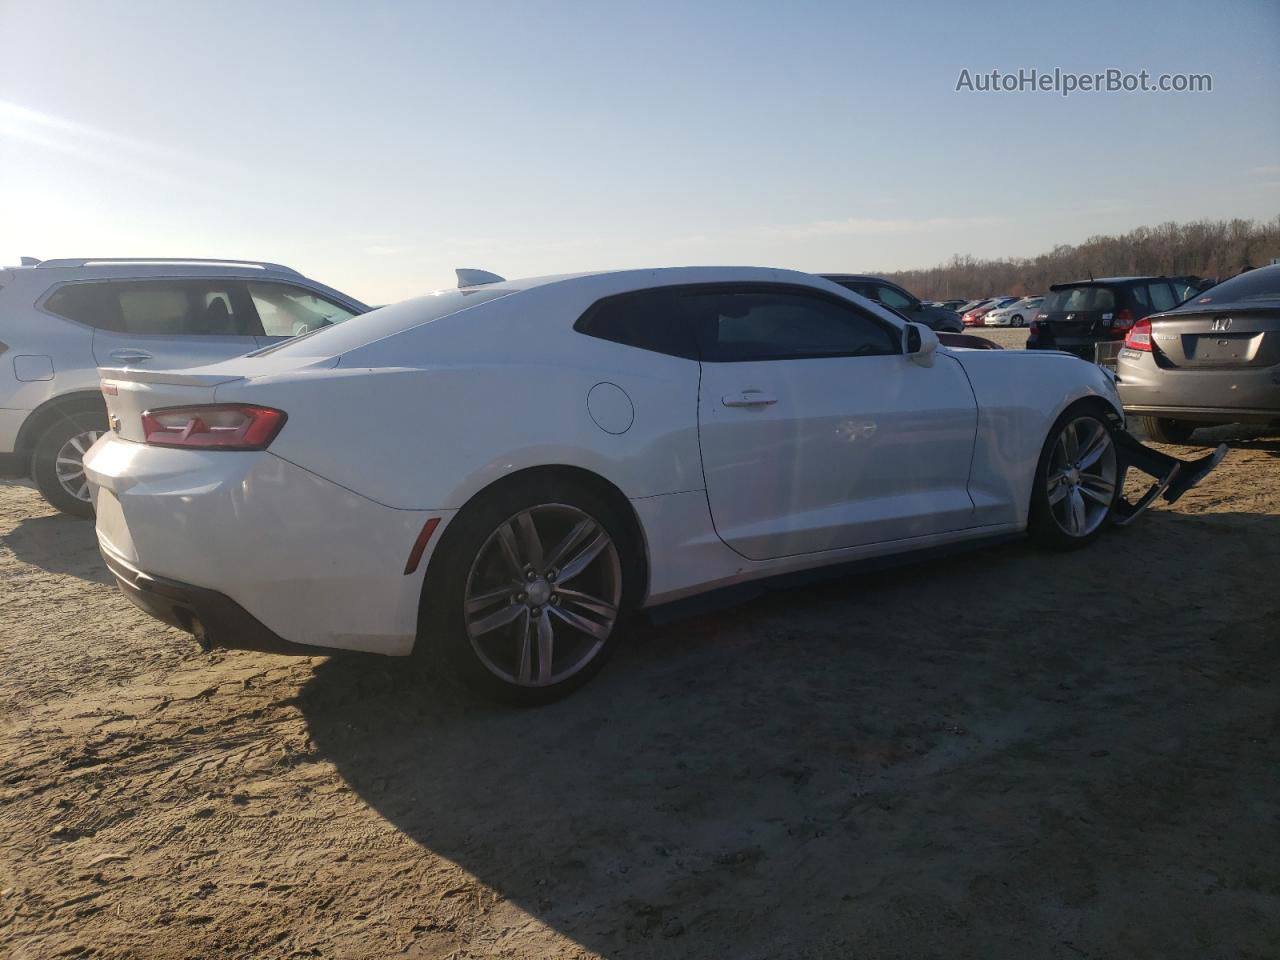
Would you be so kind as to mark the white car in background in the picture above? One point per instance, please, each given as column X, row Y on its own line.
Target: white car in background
column 62, row 319
column 1016, row 314
column 492, row 476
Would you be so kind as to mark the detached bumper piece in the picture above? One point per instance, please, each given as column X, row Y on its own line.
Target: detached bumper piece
column 213, row 618
column 1173, row 477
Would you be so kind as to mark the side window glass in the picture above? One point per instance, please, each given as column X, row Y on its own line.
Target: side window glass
column 753, row 324
column 93, row 304
column 154, row 307
column 644, row 319
column 1141, row 297
column 1162, row 297
column 895, row 298
column 289, row 311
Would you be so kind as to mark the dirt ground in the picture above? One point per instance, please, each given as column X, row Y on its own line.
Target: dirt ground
column 1008, row 754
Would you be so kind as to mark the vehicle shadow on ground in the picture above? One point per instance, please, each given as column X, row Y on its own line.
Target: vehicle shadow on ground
column 58, row 544
column 895, row 764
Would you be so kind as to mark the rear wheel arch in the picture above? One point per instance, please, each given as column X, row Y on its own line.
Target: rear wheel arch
column 49, row 412
column 570, row 477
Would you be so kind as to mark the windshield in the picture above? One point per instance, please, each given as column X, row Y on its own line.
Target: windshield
column 336, row 339
column 1260, row 284
column 1079, row 299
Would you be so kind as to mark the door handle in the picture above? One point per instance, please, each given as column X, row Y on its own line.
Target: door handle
column 748, row 398
column 130, row 356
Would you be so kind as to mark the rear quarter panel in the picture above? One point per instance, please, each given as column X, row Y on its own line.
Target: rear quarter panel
column 485, row 398
column 1020, row 394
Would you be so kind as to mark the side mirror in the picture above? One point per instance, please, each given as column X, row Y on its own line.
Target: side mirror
column 919, row 343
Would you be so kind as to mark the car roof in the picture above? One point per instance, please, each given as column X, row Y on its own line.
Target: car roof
column 1098, row 280
column 854, row 276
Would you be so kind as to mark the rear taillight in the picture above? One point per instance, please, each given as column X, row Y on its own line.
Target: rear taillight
column 215, row 426
column 1139, row 337
column 1123, row 320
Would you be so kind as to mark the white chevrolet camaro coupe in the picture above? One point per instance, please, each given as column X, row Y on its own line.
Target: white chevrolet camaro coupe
column 492, row 476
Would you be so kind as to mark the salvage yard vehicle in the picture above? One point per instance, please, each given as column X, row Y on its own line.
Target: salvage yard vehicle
column 1078, row 317
column 492, row 477
column 1016, row 314
column 62, row 319
column 1215, row 359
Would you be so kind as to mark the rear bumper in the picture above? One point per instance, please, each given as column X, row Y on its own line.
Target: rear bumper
column 1241, row 395
column 248, row 543
column 213, row 618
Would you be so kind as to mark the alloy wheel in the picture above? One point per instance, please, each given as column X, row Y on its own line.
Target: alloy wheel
column 542, row 595
column 69, row 464
column 1081, row 479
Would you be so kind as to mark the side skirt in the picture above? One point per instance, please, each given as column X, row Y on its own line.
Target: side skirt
column 724, row 597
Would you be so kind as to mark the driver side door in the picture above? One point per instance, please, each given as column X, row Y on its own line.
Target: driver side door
column 816, row 432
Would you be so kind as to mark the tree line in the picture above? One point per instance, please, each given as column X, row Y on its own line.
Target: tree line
column 1214, row 249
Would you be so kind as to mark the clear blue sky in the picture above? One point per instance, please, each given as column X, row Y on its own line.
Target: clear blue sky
column 377, row 145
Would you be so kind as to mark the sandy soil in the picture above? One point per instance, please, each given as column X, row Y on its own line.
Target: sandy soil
column 1009, row 754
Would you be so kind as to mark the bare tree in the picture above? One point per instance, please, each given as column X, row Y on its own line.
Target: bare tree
column 1215, row 249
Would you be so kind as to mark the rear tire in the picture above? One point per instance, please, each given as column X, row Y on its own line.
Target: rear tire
column 1077, row 479
column 1165, row 430
column 557, row 618
column 57, row 464
column 1017, row 320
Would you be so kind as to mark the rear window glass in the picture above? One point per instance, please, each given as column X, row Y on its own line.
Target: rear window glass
column 1079, row 299
column 1260, row 284
column 378, row 324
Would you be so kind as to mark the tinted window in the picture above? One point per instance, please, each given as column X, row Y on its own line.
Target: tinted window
column 1162, row 296
column 1077, row 299
column 156, row 307
column 644, row 319
column 1260, row 284
column 289, row 311
column 894, row 297
column 755, row 324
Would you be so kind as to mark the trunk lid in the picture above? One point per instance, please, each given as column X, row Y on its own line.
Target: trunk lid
column 1218, row 338
column 130, row 391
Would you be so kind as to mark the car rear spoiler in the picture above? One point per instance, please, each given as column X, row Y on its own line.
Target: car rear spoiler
column 1173, row 477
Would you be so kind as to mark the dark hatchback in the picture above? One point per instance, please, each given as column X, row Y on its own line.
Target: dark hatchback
column 1078, row 316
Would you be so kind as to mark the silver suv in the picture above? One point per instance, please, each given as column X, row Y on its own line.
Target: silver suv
column 62, row 319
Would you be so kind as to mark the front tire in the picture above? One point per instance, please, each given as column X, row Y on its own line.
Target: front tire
column 1076, row 481
column 526, row 592
column 57, row 466
column 1165, row 430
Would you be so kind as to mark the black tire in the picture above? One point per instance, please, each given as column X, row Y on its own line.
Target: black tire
column 69, row 424
column 443, row 633
column 1164, row 430
column 1017, row 320
column 1042, row 525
